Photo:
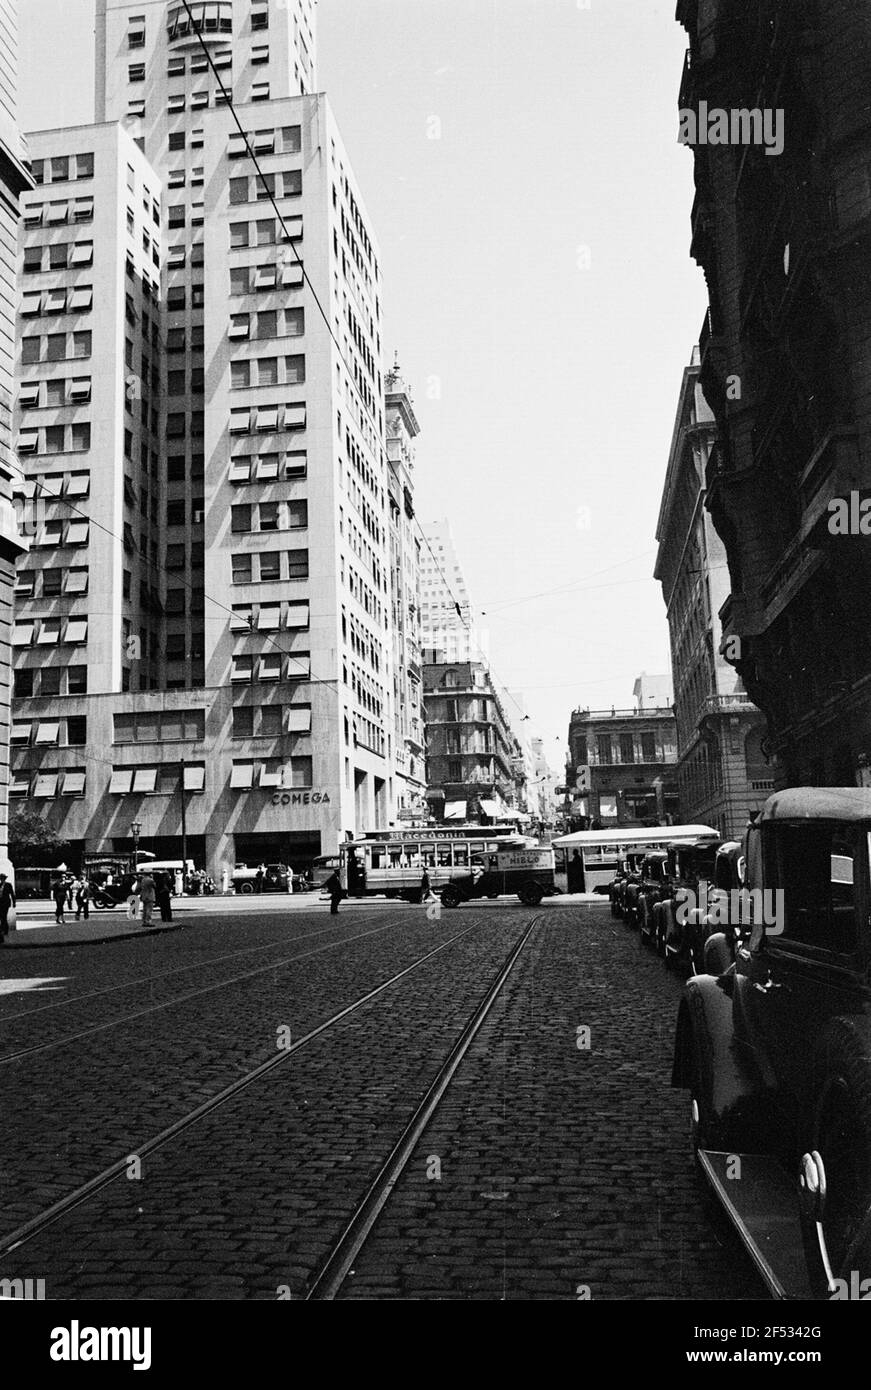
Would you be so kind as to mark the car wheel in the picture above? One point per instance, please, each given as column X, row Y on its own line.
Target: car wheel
column 530, row 895
column 450, row 896
column 245, row 888
column 842, row 1136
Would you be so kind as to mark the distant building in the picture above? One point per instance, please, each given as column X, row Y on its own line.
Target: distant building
column 474, row 762
column 722, row 772
column 15, row 179
column 446, row 621
column 402, row 430
column 622, row 768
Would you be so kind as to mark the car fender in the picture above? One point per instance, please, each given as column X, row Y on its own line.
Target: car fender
column 738, row 1108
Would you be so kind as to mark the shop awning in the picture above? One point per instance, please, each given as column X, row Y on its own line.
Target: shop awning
column 455, row 810
column 490, row 808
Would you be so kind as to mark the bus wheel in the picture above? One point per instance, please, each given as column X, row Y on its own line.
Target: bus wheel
column 450, row 896
column 530, row 895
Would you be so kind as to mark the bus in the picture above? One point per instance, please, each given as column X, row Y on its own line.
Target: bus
column 392, row 862
column 600, row 851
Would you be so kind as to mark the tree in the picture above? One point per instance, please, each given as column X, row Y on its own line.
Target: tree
column 32, row 840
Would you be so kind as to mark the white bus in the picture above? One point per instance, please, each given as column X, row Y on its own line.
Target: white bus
column 600, row 851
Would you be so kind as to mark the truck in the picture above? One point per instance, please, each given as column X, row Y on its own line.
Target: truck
column 528, row 872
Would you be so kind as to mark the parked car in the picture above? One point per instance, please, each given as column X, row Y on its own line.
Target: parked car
column 775, row 1051
column 250, row 878
column 628, row 872
column 676, row 926
column 652, row 886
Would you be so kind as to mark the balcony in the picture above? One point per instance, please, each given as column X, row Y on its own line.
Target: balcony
column 211, row 19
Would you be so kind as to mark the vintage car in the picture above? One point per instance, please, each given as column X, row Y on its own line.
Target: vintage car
column 628, row 872
column 654, row 883
column 675, row 926
column 775, row 1050
column 273, row 879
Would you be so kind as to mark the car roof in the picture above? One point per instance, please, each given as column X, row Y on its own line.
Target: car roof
column 710, row 845
column 819, row 803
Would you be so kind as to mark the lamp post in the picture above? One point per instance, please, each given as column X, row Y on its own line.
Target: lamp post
column 135, row 831
column 184, row 831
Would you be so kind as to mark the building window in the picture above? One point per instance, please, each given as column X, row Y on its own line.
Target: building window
column 603, row 743
column 627, row 749
column 648, row 747
column 176, row 140
column 297, row 564
column 136, row 72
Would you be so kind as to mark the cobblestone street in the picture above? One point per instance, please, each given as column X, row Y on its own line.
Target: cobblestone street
column 549, row 1169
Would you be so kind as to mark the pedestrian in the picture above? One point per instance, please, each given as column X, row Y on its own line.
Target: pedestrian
column 164, row 897
column 147, row 896
column 426, row 893
column 59, row 893
column 72, row 884
column 258, row 878
column 7, row 901
column 333, row 886
column 83, row 897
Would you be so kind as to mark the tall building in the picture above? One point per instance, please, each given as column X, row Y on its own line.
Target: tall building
column 474, row 762
column 780, row 228
column 447, row 625
column 230, row 469
column 722, row 772
column 15, row 179
column 402, row 430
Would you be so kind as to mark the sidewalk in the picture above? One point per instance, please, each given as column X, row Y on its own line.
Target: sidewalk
column 36, row 927
column 34, row 935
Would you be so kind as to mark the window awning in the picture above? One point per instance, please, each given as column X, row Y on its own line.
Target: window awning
column 491, row 808
column 455, row 810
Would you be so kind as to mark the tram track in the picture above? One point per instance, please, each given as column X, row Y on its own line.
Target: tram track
column 36, row 1225
column 332, row 1273
column 120, row 1020
column 204, row 962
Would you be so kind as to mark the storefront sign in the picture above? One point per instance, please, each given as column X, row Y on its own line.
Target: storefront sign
column 301, row 799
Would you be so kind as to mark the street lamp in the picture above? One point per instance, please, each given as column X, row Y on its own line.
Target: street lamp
column 135, row 831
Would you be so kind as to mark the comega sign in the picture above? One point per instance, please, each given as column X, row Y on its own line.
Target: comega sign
column 301, row 799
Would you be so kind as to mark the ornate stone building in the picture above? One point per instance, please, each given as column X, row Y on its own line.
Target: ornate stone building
column 784, row 241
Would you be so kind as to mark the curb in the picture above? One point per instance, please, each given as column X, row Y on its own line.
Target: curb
column 90, row 940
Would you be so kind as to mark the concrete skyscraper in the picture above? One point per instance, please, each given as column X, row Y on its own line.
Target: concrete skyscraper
column 228, row 499
column 15, row 179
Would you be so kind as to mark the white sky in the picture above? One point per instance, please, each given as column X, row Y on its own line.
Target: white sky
column 558, row 383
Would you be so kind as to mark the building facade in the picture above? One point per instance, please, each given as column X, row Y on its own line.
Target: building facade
column 622, row 768
column 447, row 621
column 402, row 430
column 235, row 617
column 15, row 179
column 722, row 773
column 783, row 239
column 474, row 762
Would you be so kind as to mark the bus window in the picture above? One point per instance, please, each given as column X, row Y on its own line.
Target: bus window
column 412, row 855
column 461, row 854
column 375, row 856
column 395, row 855
column 444, row 856
column 427, row 856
